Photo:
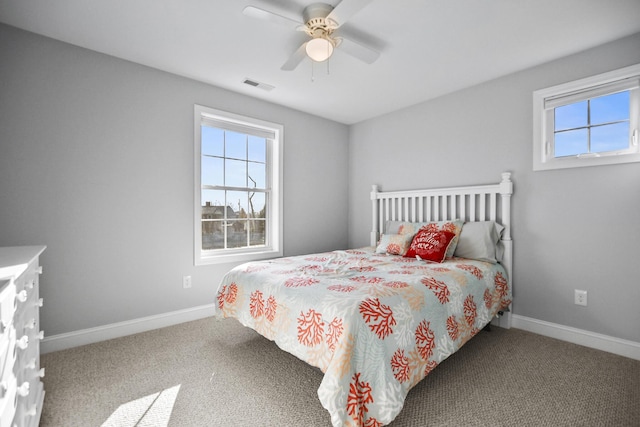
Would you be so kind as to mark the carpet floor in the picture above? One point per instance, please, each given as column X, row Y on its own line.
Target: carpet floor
column 219, row 373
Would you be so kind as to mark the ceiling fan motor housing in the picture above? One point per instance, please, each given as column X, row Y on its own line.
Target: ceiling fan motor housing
column 316, row 23
column 314, row 15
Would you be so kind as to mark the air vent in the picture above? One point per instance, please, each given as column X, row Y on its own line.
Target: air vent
column 254, row 83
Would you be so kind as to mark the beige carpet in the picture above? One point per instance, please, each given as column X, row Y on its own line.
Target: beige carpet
column 230, row 376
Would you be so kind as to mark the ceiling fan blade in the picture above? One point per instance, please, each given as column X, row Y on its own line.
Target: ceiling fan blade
column 357, row 50
column 265, row 15
column 295, row 59
column 345, row 10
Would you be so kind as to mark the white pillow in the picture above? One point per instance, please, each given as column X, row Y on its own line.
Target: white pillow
column 481, row 241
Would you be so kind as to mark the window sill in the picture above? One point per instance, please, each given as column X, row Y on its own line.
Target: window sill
column 575, row 162
column 205, row 259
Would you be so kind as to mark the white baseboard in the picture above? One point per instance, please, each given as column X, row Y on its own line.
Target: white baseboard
column 606, row 343
column 614, row 345
column 121, row 329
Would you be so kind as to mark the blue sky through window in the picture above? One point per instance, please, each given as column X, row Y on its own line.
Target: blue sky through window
column 596, row 125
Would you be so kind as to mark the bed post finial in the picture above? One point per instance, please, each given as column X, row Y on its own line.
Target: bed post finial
column 506, row 186
column 374, row 215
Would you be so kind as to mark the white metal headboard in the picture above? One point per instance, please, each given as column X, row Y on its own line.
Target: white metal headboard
column 470, row 203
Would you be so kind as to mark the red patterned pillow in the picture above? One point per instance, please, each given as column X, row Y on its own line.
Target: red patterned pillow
column 454, row 226
column 430, row 245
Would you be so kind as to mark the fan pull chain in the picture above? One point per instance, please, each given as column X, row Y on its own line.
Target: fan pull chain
column 313, row 78
column 329, row 52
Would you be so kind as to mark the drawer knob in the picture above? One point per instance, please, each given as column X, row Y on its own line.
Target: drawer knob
column 40, row 302
column 30, row 324
column 29, row 284
column 22, row 296
column 32, row 411
column 40, row 335
column 23, row 390
column 23, row 342
column 39, row 270
column 40, row 373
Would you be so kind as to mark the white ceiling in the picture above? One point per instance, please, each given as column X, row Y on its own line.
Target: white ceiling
column 428, row 47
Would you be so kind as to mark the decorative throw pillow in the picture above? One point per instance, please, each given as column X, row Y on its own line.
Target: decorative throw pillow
column 454, row 226
column 431, row 245
column 394, row 244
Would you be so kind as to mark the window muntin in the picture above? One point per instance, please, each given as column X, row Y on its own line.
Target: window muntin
column 238, row 207
column 588, row 122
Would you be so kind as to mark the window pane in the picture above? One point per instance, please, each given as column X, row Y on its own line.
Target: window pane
column 213, row 198
column 237, row 234
column 235, row 145
column 571, row 143
column 212, row 235
column 258, row 232
column 213, row 210
column 571, row 116
column 212, row 171
column 257, row 215
column 257, row 205
column 237, row 230
column 235, row 173
column 610, row 108
column 257, row 175
column 239, row 202
column 212, row 141
column 257, row 148
column 610, row 137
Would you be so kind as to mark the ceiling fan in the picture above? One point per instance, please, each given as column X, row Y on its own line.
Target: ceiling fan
column 320, row 21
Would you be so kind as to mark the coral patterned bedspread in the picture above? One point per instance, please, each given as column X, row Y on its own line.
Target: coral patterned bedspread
column 375, row 324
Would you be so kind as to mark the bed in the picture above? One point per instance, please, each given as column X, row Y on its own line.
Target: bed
column 376, row 320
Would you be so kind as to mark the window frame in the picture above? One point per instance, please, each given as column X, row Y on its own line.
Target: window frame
column 274, row 201
column 546, row 100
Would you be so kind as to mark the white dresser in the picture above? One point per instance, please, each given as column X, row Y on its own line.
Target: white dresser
column 21, row 389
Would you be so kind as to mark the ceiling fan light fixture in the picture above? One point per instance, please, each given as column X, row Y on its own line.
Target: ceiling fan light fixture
column 319, row 49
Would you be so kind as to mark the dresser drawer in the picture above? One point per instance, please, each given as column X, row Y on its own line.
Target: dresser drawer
column 8, row 401
column 8, row 353
column 21, row 387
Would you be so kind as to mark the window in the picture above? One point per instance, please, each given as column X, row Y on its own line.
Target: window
column 238, row 187
column 593, row 121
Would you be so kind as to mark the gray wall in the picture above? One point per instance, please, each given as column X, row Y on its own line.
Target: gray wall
column 96, row 162
column 574, row 228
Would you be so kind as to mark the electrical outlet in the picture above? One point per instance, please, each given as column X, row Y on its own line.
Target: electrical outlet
column 186, row 282
column 580, row 297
